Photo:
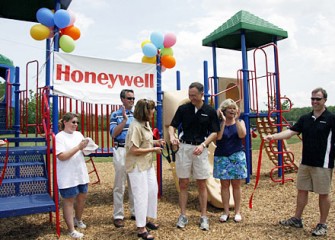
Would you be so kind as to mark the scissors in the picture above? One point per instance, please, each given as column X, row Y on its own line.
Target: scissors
column 170, row 156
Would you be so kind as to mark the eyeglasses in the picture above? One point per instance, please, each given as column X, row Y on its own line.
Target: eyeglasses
column 74, row 122
column 316, row 98
column 130, row 98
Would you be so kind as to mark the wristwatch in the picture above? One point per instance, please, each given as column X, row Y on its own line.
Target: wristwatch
column 204, row 145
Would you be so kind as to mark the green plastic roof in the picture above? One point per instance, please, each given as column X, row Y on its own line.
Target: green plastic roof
column 6, row 61
column 25, row 10
column 258, row 32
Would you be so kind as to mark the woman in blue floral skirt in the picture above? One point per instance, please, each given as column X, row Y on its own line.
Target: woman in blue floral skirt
column 229, row 158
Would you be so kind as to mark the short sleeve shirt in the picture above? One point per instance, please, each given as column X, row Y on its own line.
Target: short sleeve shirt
column 317, row 138
column 115, row 119
column 196, row 126
column 139, row 135
column 73, row 171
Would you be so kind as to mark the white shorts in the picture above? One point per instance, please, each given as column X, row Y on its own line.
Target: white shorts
column 188, row 164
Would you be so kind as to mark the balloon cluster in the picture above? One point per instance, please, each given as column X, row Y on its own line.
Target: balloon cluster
column 159, row 44
column 64, row 20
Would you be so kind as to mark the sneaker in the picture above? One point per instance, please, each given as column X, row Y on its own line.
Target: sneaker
column 76, row 234
column 204, row 223
column 182, row 221
column 79, row 224
column 320, row 230
column 292, row 222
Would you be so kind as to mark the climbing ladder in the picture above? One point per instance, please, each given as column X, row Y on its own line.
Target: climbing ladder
column 264, row 128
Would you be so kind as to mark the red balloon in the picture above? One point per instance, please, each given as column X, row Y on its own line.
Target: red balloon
column 168, row 61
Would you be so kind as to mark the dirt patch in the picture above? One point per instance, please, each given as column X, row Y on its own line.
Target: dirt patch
column 272, row 202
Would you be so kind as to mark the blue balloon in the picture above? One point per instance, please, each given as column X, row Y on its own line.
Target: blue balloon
column 149, row 50
column 45, row 16
column 157, row 39
column 62, row 18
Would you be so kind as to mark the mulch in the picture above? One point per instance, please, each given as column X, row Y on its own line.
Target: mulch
column 272, row 202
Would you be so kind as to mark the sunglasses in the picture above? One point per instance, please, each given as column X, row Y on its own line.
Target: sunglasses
column 316, row 99
column 130, row 98
column 74, row 122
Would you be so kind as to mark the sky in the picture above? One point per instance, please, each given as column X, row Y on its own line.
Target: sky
column 114, row 30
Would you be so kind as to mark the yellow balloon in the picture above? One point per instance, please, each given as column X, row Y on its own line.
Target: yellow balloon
column 145, row 42
column 39, row 32
column 151, row 60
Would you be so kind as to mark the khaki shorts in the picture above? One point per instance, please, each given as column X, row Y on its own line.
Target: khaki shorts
column 188, row 164
column 314, row 179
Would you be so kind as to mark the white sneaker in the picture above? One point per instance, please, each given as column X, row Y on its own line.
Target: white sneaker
column 76, row 234
column 79, row 224
column 204, row 223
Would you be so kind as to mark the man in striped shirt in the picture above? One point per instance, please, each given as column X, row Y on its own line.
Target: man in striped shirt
column 119, row 124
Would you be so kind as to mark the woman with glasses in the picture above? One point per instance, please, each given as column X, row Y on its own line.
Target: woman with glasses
column 140, row 152
column 72, row 174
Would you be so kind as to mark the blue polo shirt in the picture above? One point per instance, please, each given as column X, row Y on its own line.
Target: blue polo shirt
column 115, row 119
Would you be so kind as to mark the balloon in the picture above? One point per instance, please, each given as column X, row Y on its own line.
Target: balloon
column 151, row 60
column 39, row 32
column 51, row 34
column 157, row 39
column 169, row 40
column 71, row 31
column 145, row 42
column 62, row 18
column 168, row 61
column 45, row 16
column 167, row 51
column 66, row 43
column 149, row 50
column 72, row 17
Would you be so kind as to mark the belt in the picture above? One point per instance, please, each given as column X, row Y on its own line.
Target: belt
column 116, row 144
column 190, row 142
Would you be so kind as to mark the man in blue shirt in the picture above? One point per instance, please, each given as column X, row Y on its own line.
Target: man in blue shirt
column 119, row 124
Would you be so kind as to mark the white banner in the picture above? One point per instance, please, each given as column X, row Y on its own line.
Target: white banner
column 100, row 81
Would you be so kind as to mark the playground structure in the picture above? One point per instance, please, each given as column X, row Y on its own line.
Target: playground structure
column 243, row 36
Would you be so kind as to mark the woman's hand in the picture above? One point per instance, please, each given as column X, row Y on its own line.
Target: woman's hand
column 83, row 144
column 237, row 115
column 157, row 150
column 221, row 115
column 160, row 142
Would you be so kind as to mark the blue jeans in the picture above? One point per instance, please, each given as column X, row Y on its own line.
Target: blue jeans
column 73, row 191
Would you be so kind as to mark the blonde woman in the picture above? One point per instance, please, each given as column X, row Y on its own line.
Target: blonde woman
column 230, row 164
column 140, row 151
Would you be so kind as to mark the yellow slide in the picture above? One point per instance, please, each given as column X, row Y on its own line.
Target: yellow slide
column 171, row 101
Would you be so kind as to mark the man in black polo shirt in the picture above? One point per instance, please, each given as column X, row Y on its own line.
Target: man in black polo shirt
column 199, row 123
column 316, row 168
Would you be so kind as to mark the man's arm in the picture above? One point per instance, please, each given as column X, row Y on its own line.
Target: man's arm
column 282, row 135
column 117, row 129
column 173, row 139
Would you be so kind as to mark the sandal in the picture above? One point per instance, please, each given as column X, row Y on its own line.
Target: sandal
column 224, row 218
column 152, row 226
column 145, row 235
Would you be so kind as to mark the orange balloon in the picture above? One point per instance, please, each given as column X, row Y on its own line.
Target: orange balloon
column 168, row 61
column 71, row 31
